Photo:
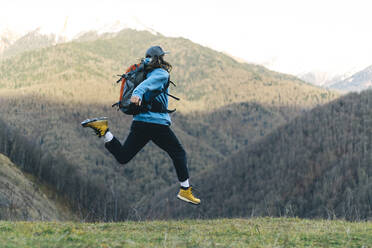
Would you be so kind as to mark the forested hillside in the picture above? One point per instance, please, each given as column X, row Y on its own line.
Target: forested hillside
column 208, row 138
column 27, row 189
column 318, row 165
column 75, row 193
column 57, row 87
column 22, row 197
column 206, row 79
column 225, row 106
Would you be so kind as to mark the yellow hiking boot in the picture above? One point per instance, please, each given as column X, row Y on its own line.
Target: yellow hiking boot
column 187, row 196
column 99, row 125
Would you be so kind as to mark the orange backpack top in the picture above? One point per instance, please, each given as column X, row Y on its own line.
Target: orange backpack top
column 123, row 79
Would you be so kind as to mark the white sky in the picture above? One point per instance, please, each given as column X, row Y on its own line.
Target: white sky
column 291, row 36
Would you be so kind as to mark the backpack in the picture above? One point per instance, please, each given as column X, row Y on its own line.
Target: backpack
column 133, row 77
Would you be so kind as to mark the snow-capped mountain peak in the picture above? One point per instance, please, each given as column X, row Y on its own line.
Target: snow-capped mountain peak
column 118, row 25
column 64, row 31
column 7, row 38
column 325, row 79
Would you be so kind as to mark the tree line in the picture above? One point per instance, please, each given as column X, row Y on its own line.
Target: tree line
column 88, row 196
column 316, row 166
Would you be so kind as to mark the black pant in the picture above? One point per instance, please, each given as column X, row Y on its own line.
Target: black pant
column 140, row 134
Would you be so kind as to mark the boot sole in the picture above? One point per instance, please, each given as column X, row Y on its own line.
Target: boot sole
column 87, row 121
column 186, row 200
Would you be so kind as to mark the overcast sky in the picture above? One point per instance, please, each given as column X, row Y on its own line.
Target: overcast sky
column 291, row 36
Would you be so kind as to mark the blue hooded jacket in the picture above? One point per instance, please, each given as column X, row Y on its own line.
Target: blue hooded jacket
column 156, row 80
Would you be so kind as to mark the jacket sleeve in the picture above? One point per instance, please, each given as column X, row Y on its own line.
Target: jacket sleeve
column 154, row 82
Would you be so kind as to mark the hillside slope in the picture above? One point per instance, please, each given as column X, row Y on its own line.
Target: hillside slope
column 93, row 196
column 46, row 94
column 225, row 106
column 206, row 80
column 318, row 165
column 23, row 198
column 207, row 138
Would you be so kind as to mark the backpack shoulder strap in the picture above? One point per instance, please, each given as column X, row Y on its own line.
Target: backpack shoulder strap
column 174, row 97
column 167, row 86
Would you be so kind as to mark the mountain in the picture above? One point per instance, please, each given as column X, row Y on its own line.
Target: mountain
column 127, row 22
column 324, row 79
column 357, row 82
column 348, row 82
column 75, row 79
column 316, row 166
column 318, row 78
column 22, row 197
column 11, row 43
column 205, row 78
column 31, row 41
column 225, row 106
column 7, row 38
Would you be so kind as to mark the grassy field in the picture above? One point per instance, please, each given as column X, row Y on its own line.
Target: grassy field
column 260, row 232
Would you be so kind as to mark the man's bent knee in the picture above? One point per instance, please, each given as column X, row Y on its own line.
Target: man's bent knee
column 123, row 160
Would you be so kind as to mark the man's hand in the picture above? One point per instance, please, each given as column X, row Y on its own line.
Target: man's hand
column 136, row 100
